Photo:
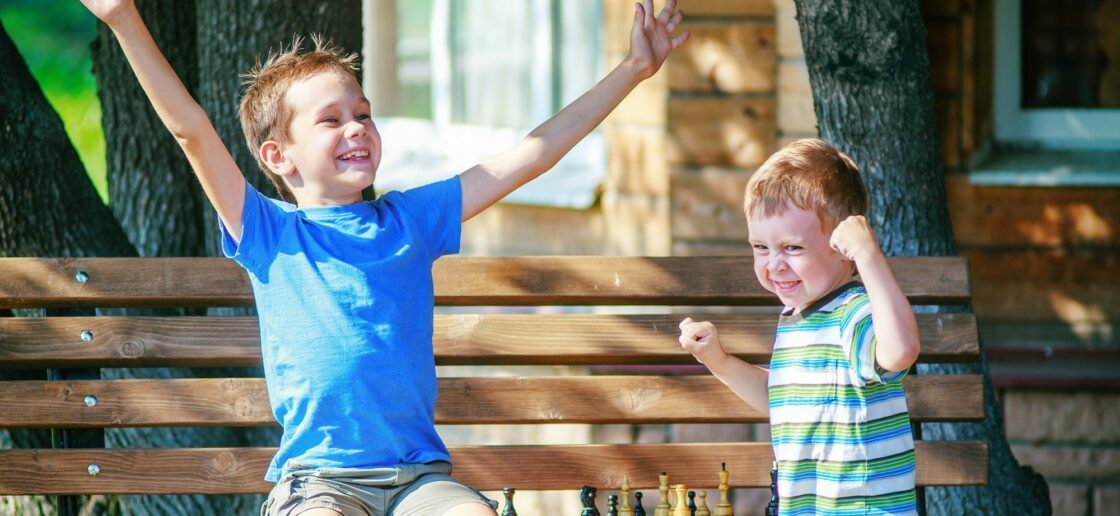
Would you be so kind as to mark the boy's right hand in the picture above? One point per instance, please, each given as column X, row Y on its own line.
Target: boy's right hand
column 108, row 10
column 701, row 339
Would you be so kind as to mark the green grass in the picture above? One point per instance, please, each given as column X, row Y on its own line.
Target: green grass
column 53, row 36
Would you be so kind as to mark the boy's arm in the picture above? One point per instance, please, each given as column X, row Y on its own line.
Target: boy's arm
column 747, row 381
column 896, row 330
column 650, row 43
column 217, row 171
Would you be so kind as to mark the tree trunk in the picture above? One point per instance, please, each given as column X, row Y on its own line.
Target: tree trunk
column 152, row 190
column 233, row 35
column 48, row 207
column 873, row 97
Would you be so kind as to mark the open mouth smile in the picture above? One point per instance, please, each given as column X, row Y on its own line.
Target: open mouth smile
column 786, row 286
column 359, row 154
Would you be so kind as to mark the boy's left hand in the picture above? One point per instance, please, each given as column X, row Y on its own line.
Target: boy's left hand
column 651, row 38
column 854, row 239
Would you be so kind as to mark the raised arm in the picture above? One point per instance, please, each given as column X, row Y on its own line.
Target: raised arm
column 651, row 41
column 180, row 113
column 896, row 330
column 747, row 381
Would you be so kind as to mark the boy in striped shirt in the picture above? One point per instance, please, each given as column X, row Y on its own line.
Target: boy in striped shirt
column 839, row 424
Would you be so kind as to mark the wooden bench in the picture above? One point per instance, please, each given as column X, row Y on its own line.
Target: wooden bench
column 473, row 333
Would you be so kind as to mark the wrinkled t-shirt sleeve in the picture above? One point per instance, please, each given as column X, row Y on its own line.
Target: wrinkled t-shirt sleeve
column 261, row 223
column 436, row 210
column 858, row 334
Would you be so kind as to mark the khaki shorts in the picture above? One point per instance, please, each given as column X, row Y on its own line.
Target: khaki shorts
column 405, row 490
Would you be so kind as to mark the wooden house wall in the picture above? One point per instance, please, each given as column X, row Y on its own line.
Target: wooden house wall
column 1046, row 280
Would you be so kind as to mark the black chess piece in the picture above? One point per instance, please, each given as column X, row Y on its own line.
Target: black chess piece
column 612, row 505
column 638, row 509
column 692, row 503
column 509, row 510
column 587, row 497
column 772, row 507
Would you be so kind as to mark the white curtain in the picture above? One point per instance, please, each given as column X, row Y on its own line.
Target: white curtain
column 491, row 58
column 513, row 63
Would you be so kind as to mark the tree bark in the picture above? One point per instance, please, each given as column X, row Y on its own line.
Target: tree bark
column 873, row 97
column 152, row 190
column 48, row 207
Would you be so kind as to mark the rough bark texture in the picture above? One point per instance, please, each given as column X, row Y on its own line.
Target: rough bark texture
column 152, row 191
column 48, row 207
column 234, row 34
column 873, row 97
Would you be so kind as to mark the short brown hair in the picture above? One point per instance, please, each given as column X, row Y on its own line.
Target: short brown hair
column 812, row 175
column 264, row 114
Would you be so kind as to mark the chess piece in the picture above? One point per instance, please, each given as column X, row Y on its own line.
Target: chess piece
column 692, row 503
column 612, row 505
column 772, row 507
column 624, row 493
column 509, row 510
column 680, row 508
column 702, row 508
column 638, row 509
column 587, row 497
column 724, row 508
column 663, row 507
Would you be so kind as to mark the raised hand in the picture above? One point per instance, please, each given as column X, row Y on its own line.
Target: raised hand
column 854, row 239
column 651, row 38
column 701, row 340
column 108, row 10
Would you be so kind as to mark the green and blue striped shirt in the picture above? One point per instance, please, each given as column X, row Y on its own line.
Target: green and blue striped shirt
column 839, row 424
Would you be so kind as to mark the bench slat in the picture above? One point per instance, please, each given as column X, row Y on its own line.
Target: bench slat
column 240, row 470
column 507, row 281
column 483, row 400
column 55, row 342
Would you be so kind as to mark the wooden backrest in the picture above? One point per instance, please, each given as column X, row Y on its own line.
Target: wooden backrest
column 648, row 297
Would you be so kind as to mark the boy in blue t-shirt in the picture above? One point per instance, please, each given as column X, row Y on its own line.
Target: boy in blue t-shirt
column 343, row 287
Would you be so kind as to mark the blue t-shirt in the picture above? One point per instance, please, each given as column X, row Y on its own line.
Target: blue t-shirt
column 345, row 299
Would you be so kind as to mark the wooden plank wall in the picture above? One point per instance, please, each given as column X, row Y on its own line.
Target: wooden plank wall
column 725, row 115
column 1042, row 257
column 1046, row 280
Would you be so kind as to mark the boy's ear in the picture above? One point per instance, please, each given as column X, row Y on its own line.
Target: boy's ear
column 272, row 154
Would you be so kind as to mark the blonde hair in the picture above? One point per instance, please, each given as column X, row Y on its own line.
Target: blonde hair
column 811, row 175
column 264, row 114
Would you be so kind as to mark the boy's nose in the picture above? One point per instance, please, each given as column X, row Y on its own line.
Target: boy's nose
column 776, row 264
column 355, row 129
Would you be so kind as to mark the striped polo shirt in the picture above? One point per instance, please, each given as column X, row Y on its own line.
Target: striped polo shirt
column 839, row 424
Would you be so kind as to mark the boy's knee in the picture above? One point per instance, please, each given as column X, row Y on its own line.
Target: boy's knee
column 471, row 509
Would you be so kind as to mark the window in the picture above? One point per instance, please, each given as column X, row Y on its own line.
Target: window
column 460, row 80
column 1057, row 77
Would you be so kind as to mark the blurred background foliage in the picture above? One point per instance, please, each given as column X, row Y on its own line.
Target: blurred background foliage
column 54, row 37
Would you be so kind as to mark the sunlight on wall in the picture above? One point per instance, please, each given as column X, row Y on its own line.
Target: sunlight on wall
column 1067, row 223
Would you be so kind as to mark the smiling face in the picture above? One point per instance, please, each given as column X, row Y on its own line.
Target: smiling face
column 335, row 148
column 792, row 257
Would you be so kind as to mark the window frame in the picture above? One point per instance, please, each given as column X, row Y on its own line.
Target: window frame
column 1046, row 128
